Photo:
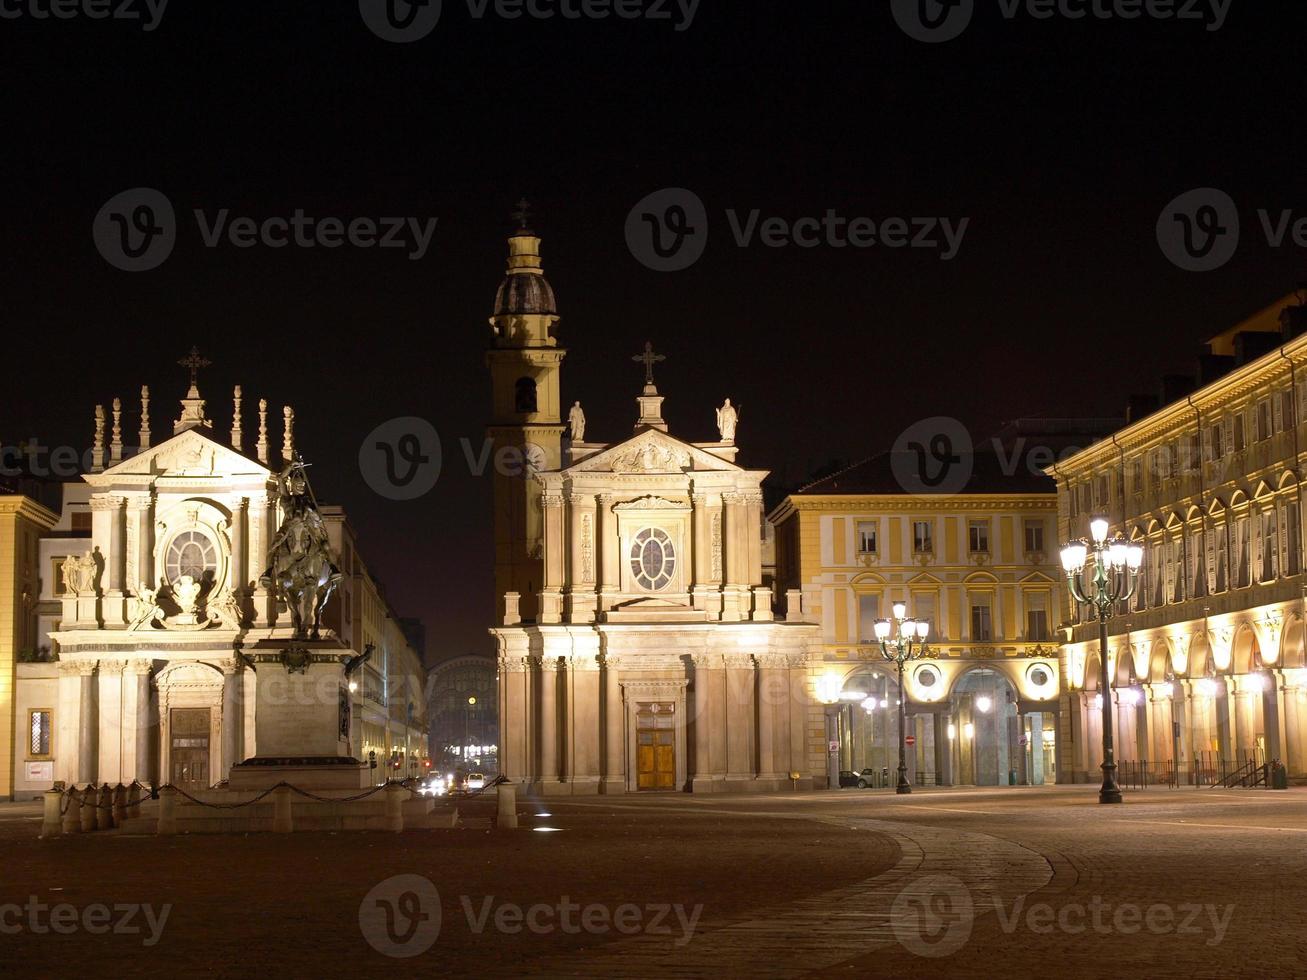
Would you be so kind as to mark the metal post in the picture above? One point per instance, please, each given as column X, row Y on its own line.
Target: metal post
column 1111, row 791
column 903, row 786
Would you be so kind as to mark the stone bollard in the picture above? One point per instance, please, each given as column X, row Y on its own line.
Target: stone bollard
column 283, row 821
column 72, row 818
column 167, row 810
column 507, row 816
column 51, row 822
column 119, row 805
column 394, row 806
column 104, row 808
column 134, row 800
column 86, row 810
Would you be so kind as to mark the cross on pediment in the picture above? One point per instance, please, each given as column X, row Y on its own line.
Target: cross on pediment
column 194, row 361
column 649, row 359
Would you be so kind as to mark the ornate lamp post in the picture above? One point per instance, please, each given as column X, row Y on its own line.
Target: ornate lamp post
column 1114, row 573
column 908, row 644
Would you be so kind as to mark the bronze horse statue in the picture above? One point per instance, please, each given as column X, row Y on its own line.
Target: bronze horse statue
column 301, row 568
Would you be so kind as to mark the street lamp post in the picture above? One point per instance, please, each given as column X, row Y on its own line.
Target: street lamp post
column 908, row 643
column 1114, row 573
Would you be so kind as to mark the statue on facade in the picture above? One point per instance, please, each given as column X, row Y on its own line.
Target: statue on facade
column 79, row 574
column 576, row 420
column 728, row 417
column 301, row 570
column 147, row 608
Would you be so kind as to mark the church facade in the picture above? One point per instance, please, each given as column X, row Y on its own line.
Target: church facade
column 164, row 657
column 638, row 648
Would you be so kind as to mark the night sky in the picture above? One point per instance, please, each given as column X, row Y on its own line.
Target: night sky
column 1060, row 140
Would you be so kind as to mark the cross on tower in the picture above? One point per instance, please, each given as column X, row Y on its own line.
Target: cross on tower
column 194, row 361
column 649, row 359
column 522, row 213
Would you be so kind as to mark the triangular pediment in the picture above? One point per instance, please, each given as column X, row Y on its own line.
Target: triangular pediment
column 191, row 453
column 652, row 451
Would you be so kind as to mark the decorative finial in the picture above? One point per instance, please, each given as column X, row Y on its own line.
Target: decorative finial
column 522, row 214
column 262, row 446
column 97, row 451
column 236, row 418
column 288, row 435
column 116, row 440
column 649, row 359
column 145, row 417
column 194, row 361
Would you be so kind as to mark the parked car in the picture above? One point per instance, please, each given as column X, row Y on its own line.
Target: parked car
column 873, row 779
column 476, row 780
column 848, row 778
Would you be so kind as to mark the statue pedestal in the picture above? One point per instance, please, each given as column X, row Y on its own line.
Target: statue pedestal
column 301, row 719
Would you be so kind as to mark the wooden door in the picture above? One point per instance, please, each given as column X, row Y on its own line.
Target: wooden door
column 656, row 748
column 189, row 749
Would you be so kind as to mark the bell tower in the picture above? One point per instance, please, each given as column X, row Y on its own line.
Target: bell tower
column 526, row 428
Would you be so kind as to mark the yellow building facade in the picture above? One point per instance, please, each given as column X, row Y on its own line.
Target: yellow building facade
column 980, row 567
column 28, row 739
column 1207, row 659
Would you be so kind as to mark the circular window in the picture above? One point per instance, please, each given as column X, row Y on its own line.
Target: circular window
column 653, row 559
column 191, row 553
column 927, row 678
column 1039, row 676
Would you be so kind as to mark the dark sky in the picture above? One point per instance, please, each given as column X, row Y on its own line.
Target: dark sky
column 1061, row 140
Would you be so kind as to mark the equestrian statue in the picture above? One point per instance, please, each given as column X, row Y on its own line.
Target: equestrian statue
column 301, row 569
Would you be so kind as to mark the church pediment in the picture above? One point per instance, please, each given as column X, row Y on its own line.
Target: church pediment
column 652, row 451
column 190, row 453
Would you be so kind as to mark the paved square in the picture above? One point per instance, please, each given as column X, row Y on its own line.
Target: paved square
column 1029, row 882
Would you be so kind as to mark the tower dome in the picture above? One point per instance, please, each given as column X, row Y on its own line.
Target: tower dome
column 524, row 289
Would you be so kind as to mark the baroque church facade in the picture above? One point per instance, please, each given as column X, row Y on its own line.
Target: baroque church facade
column 638, row 648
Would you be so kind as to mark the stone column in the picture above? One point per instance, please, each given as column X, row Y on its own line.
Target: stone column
column 232, row 743
column 109, row 708
column 709, row 723
column 549, row 769
column 555, row 571
column 581, row 535
column 262, row 523
column 610, row 575
column 240, row 516
column 753, row 529
column 138, row 671
column 740, row 734
column 735, row 547
column 88, row 724
column 68, row 722
column 773, row 719
column 799, row 705
column 515, row 744
column 583, row 730
column 140, row 566
column 614, row 728
column 943, row 750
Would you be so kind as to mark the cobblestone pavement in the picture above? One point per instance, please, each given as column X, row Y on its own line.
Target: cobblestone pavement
column 942, row 883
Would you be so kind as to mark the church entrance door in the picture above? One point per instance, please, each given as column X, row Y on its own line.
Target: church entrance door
column 656, row 747
column 189, row 751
